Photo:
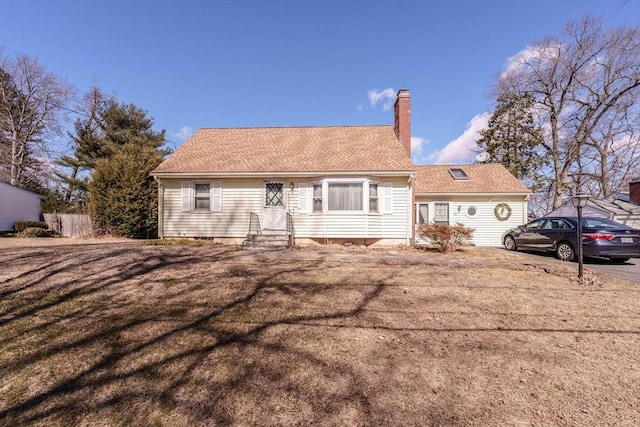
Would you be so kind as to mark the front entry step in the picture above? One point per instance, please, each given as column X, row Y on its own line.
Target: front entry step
column 266, row 242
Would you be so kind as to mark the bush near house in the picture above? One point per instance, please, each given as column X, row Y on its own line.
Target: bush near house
column 447, row 238
column 20, row 226
column 36, row 232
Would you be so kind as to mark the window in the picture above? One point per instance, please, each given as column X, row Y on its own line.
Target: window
column 373, row 197
column 274, row 194
column 335, row 195
column 557, row 224
column 458, row 173
column 202, row 197
column 345, row 196
column 317, row 198
column 441, row 213
column 536, row 224
column 423, row 213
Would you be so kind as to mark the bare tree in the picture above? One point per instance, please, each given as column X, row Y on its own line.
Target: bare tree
column 586, row 91
column 32, row 106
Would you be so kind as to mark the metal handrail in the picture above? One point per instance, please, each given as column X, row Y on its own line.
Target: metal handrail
column 290, row 229
column 254, row 224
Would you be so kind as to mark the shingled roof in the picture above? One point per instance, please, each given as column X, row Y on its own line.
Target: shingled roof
column 288, row 150
column 483, row 178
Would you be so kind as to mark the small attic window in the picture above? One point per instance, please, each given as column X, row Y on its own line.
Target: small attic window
column 458, row 173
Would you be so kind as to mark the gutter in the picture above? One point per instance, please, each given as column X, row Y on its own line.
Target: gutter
column 270, row 174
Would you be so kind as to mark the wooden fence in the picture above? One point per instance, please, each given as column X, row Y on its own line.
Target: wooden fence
column 69, row 225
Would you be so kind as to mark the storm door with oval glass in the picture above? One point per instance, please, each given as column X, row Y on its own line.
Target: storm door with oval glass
column 274, row 216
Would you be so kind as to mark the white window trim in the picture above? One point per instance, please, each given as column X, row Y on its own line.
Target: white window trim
column 188, row 196
column 429, row 209
column 448, row 204
column 385, row 201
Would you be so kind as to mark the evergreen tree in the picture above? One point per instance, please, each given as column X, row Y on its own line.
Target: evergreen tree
column 123, row 197
column 513, row 139
column 86, row 140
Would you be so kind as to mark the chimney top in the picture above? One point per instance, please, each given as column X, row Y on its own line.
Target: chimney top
column 402, row 124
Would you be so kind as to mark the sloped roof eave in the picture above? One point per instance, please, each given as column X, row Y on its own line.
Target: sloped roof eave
column 474, row 193
column 262, row 174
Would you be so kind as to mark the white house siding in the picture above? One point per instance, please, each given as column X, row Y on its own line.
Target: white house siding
column 17, row 204
column 488, row 229
column 240, row 197
column 356, row 225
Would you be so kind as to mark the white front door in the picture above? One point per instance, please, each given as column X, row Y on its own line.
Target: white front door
column 274, row 216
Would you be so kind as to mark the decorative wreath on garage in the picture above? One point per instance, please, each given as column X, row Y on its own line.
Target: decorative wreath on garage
column 502, row 211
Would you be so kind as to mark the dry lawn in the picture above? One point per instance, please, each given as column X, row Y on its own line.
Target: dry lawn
column 118, row 333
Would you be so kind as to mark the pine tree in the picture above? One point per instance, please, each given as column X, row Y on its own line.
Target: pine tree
column 513, row 139
column 123, row 197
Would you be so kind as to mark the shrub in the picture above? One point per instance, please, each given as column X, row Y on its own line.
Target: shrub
column 20, row 226
column 448, row 238
column 35, row 232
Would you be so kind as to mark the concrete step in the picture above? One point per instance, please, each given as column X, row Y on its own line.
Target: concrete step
column 266, row 242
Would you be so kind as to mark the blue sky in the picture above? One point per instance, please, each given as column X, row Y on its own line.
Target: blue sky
column 246, row 63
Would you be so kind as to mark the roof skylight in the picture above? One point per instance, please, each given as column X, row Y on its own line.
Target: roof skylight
column 458, row 173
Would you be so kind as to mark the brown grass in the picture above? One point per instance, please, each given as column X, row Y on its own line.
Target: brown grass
column 118, row 333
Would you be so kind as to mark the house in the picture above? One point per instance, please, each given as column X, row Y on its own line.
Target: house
column 331, row 184
column 623, row 208
column 485, row 197
column 17, row 204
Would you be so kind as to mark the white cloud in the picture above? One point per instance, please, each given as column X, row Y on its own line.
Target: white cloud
column 386, row 97
column 417, row 147
column 183, row 133
column 417, row 143
column 463, row 147
column 536, row 54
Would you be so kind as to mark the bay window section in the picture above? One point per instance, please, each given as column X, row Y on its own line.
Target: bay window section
column 317, row 198
column 373, row 197
column 345, row 196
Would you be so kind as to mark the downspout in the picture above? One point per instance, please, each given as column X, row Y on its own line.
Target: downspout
column 160, row 208
column 412, row 211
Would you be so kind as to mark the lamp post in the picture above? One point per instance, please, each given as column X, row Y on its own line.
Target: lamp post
column 580, row 201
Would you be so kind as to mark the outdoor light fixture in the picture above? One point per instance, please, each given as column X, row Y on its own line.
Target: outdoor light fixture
column 291, row 186
column 580, row 201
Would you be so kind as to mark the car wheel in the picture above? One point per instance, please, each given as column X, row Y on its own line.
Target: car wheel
column 510, row 243
column 618, row 260
column 565, row 252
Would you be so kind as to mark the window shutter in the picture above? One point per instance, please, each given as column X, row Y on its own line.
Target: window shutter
column 303, row 198
column 387, row 197
column 186, row 196
column 216, row 196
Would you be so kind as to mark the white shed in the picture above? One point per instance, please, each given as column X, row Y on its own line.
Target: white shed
column 17, row 204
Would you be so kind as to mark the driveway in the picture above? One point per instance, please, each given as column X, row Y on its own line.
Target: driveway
column 629, row 270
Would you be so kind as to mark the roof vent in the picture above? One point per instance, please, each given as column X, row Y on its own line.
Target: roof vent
column 458, row 173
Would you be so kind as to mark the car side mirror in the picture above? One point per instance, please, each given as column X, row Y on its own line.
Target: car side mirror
column 522, row 227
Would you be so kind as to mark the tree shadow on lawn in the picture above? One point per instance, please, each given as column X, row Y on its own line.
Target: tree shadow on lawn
column 214, row 335
column 177, row 336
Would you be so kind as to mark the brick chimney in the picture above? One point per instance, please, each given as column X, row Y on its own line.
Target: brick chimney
column 402, row 124
column 634, row 191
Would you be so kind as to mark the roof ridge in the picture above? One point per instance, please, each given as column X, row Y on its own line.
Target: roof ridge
column 293, row 127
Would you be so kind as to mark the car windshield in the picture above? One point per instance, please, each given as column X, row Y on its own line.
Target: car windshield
column 602, row 223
